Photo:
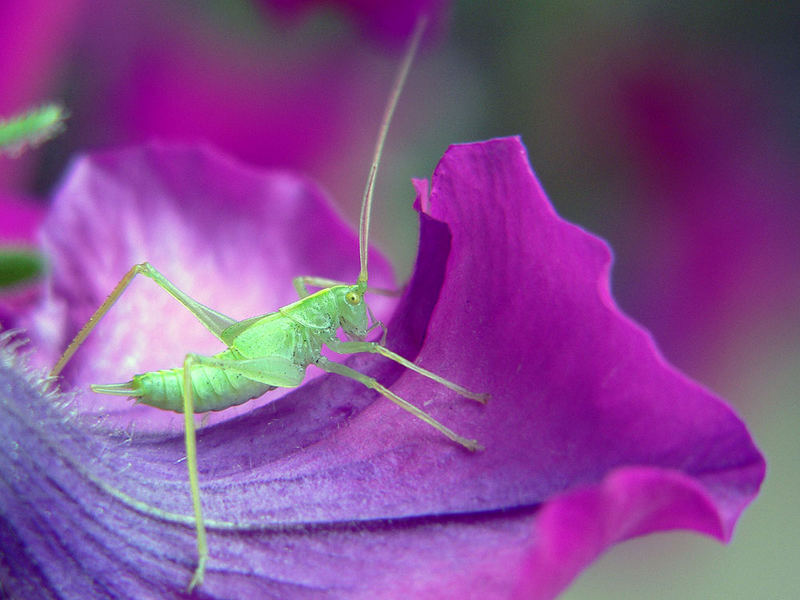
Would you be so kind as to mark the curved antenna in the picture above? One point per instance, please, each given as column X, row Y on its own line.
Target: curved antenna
column 366, row 202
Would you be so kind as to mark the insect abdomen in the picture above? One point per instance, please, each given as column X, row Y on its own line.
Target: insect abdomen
column 214, row 389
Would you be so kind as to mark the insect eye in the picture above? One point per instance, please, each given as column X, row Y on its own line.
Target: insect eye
column 352, row 298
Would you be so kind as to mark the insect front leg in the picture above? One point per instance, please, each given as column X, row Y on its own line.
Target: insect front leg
column 377, row 323
column 370, row 382
column 373, row 347
column 301, row 286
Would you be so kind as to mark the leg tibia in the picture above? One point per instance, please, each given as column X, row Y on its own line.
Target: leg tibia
column 356, row 347
column 371, row 383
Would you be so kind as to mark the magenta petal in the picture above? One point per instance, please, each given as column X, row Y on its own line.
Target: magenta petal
column 590, row 436
column 526, row 308
column 574, row 529
column 526, row 312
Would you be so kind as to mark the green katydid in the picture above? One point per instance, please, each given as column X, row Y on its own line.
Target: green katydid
column 271, row 350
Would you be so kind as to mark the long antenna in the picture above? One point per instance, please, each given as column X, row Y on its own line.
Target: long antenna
column 366, row 202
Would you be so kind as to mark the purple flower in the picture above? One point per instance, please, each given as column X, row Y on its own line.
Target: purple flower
column 328, row 491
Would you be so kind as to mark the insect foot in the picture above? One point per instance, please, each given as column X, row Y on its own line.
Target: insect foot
column 471, row 445
column 199, row 573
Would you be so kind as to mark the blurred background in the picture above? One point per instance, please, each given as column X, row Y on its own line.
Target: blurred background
column 668, row 128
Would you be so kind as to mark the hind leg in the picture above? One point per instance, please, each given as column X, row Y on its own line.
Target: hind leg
column 214, row 321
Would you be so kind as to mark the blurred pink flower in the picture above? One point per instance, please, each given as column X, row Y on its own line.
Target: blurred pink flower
column 389, row 20
column 34, row 37
column 716, row 264
column 131, row 72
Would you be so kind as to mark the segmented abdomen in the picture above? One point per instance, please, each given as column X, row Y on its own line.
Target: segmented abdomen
column 214, row 389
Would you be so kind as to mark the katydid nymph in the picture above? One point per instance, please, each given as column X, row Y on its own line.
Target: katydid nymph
column 272, row 350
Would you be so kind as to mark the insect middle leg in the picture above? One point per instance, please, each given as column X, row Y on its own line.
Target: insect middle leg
column 370, row 382
column 374, row 347
column 214, row 321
